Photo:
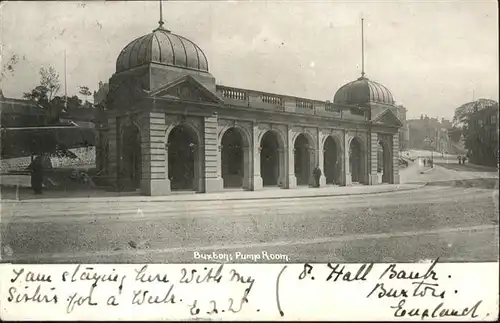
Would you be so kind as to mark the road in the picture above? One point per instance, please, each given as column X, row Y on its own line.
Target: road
column 455, row 223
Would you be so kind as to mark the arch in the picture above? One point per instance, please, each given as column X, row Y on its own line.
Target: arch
column 332, row 160
column 304, row 160
column 234, row 147
column 280, row 136
column 384, row 162
column 309, row 137
column 357, row 160
column 183, row 157
column 271, row 158
column 131, row 156
column 189, row 126
column 241, row 130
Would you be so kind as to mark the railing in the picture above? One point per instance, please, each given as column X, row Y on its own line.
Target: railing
column 262, row 100
column 271, row 99
column 302, row 104
column 235, row 94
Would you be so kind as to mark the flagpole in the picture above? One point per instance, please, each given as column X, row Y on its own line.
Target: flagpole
column 65, row 82
column 362, row 48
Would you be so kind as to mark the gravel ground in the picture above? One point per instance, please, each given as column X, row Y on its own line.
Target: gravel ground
column 328, row 219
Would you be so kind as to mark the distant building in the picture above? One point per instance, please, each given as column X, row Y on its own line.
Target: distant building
column 482, row 139
column 404, row 131
column 432, row 134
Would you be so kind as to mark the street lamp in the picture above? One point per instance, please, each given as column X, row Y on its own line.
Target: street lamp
column 430, row 142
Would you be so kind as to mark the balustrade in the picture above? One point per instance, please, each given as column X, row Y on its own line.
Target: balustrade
column 270, row 99
column 234, row 94
column 301, row 104
column 279, row 102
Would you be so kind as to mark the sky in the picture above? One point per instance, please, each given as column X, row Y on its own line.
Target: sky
column 432, row 55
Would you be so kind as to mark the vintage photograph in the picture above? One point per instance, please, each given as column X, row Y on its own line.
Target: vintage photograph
column 249, row 131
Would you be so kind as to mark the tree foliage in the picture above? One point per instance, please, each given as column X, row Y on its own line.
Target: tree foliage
column 45, row 95
column 8, row 67
column 463, row 112
column 84, row 90
column 48, row 88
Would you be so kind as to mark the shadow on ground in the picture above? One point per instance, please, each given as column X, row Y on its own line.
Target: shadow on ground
column 488, row 183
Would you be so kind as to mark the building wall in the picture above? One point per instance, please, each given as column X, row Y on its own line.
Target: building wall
column 209, row 130
column 253, row 114
column 482, row 141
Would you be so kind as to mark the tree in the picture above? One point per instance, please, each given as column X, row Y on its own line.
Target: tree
column 48, row 88
column 462, row 117
column 8, row 67
column 84, row 90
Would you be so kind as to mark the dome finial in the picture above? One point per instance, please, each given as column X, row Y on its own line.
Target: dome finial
column 161, row 16
column 362, row 49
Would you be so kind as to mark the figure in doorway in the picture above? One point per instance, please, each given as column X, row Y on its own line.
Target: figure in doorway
column 36, row 169
column 317, row 175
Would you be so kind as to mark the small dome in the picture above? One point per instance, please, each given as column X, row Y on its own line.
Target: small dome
column 362, row 91
column 163, row 47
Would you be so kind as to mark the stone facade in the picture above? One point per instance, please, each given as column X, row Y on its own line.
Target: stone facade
column 170, row 127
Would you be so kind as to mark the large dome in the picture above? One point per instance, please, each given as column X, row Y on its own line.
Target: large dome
column 163, row 47
column 362, row 91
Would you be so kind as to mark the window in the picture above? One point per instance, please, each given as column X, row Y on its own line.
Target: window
column 493, row 119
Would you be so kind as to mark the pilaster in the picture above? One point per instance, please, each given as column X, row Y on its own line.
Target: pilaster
column 373, row 159
column 347, row 166
column 154, row 154
column 256, row 180
column 291, row 181
column 212, row 180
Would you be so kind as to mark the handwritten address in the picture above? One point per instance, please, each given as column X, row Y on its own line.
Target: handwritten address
column 270, row 290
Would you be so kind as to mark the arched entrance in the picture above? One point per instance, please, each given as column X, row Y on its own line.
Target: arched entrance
column 356, row 161
column 383, row 163
column 182, row 155
column 131, row 163
column 269, row 159
column 302, row 160
column 331, row 161
column 232, row 161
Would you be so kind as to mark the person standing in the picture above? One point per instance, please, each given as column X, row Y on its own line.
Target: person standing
column 37, row 175
column 317, row 175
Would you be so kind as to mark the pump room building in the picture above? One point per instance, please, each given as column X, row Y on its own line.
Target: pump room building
column 168, row 127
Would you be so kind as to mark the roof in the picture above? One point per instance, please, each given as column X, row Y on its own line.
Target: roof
column 362, row 91
column 163, row 47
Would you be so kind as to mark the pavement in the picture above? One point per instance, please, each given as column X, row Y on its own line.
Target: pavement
column 450, row 212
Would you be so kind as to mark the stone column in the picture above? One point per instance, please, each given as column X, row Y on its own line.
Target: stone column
column 212, row 180
column 347, row 166
column 154, row 181
column 321, row 159
column 282, row 170
column 290, row 157
column 395, row 159
column 373, row 159
column 256, row 179
column 247, row 167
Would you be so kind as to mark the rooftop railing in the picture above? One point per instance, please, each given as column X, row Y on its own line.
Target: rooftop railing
column 283, row 103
